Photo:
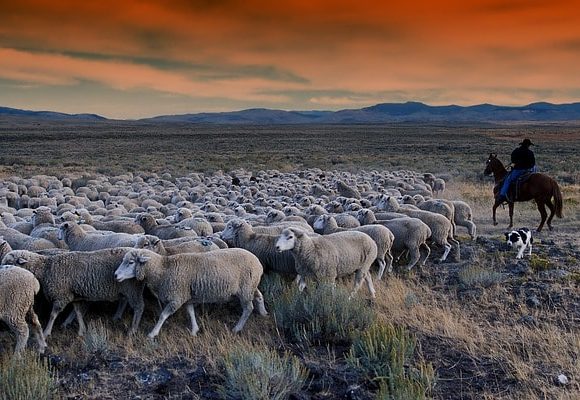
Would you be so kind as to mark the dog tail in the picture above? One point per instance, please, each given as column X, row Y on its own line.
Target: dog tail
column 558, row 200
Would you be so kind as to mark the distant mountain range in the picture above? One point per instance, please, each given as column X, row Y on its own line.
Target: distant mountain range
column 380, row 113
column 15, row 112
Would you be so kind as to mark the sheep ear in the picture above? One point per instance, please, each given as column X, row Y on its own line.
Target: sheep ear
column 140, row 272
column 21, row 261
column 155, row 241
column 298, row 233
column 143, row 259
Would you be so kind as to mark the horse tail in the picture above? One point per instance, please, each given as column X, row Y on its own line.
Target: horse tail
column 557, row 199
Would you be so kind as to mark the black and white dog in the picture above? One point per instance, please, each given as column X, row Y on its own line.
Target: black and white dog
column 520, row 240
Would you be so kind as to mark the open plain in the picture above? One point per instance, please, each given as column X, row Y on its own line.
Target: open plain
column 488, row 326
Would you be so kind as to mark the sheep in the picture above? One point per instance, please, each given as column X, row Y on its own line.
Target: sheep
column 464, row 217
column 197, row 245
column 44, row 226
column 382, row 236
column 79, row 240
column 5, row 247
column 410, row 235
column 81, row 276
column 329, row 257
column 347, row 191
column 19, row 240
column 441, row 227
column 440, row 206
column 184, row 219
column 17, row 289
column 116, row 225
column 195, row 278
column 438, row 186
column 152, row 227
column 263, row 245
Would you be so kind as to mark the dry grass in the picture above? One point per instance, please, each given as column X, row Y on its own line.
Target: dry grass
column 485, row 341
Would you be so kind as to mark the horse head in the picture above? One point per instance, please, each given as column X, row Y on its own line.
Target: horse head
column 489, row 164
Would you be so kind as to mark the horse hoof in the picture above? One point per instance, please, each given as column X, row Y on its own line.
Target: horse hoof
column 494, row 223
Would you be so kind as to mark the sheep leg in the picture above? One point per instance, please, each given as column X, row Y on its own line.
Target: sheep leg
column 455, row 244
column 471, row 228
column 69, row 319
column 301, row 282
column 37, row 330
column 72, row 315
column 120, row 309
column 138, row 308
column 427, row 250
column 358, row 280
column 248, row 308
column 259, row 303
column 56, row 309
column 169, row 309
column 191, row 311
column 370, row 285
column 79, row 312
column 382, row 266
column 446, row 252
column 20, row 329
column 389, row 258
column 415, row 256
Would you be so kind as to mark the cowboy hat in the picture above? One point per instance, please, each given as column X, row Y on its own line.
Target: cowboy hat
column 526, row 142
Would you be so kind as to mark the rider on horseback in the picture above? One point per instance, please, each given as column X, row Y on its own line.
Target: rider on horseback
column 523, row 161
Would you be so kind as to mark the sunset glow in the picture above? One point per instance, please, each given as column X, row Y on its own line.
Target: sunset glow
column 140, row 58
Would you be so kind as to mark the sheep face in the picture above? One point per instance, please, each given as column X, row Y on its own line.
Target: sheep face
column 229, row 233
column 320, row 222
column 287, row 240
column 133, row 266
column 62, row 229
column 14, row 258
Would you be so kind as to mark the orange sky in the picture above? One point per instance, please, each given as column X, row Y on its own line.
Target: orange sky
column 129, row 59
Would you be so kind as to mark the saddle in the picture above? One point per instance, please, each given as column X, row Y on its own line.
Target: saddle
column 514, row 189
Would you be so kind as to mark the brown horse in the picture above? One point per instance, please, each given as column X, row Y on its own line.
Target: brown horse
column 538, row 187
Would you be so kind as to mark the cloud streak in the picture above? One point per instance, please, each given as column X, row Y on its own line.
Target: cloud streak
column 294, row 54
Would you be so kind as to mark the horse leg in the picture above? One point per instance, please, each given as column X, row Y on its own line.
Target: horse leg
column 511, row 210
column 552, row 212
column 495, row 206
column 543, row 213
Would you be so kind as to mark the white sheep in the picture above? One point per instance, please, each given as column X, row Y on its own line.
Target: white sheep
column 410, row 235
column 5, row 247
column 441, row 227
column 184, row 219
column 382, row 236
column 78, row 240
column 17, row 289
column 119, row 225
column 19, row 240
column 213, row 277
column 196, row 245
column 152, row 227
column 263, row 245
column 326, row 258
column 78, row 276
column 464, row 217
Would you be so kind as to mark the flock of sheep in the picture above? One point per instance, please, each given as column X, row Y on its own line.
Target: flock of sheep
column 207, row 238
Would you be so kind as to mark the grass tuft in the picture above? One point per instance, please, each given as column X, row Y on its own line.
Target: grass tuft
column 96, row 339
column 383, row 356
column 323, row 315
column 258, row 373
column 28, row 377
column 476, row 276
